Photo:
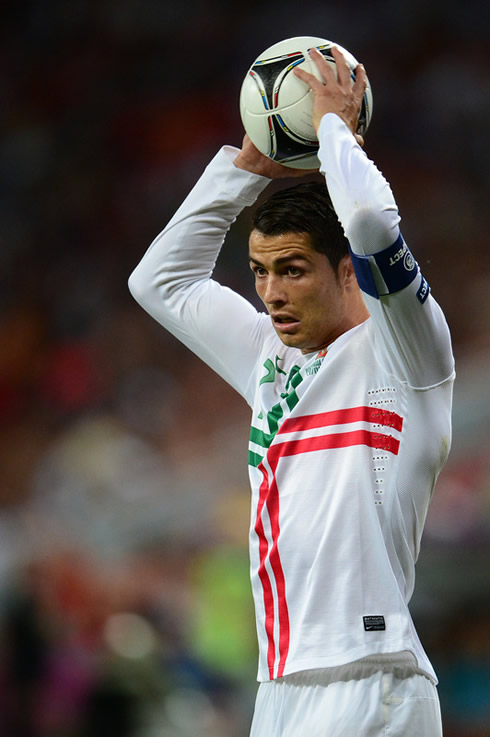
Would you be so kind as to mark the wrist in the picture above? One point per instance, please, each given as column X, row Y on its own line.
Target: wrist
column 242, row 162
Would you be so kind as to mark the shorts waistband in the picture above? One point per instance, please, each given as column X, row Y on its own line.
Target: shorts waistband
column 402, row 664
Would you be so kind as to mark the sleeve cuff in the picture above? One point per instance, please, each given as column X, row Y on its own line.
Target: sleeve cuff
column 239, row 183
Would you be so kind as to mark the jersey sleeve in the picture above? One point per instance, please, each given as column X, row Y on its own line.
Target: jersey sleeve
column 411, row 333
column 173, row 280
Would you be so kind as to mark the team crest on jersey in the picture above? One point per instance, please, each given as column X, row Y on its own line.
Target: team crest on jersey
column 315, row 366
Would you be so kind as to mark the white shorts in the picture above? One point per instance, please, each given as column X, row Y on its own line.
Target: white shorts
column 377, row 704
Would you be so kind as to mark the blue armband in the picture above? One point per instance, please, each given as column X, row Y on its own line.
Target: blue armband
column 387, row 271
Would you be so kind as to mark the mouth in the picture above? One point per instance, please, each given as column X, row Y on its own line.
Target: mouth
column 285, row 323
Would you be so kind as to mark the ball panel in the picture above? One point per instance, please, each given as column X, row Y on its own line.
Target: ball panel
column 289, row 89
column 292, row 45
column 311, row 161
column 260, row 132
column 287, row 148
column 297, row 119
column 270, row 74
column 252, row 95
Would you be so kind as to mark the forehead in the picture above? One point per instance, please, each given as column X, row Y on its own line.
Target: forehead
column 285, row 246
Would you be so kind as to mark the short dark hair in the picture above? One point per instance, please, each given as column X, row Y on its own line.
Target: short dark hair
column 304, row 208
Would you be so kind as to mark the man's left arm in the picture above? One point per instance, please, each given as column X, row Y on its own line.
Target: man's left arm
column 412, row 333
column 411, row 329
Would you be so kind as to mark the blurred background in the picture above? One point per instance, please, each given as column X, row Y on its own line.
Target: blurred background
column 125, row 605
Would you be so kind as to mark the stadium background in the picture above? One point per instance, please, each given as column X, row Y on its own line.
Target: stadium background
column 124, row 599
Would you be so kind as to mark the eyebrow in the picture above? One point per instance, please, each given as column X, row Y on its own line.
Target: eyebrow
column 281, row 259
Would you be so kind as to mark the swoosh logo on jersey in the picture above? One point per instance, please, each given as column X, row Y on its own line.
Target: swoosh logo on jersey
column 271, row 370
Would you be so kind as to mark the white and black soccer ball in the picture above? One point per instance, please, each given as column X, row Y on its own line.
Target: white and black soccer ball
column 276, row 107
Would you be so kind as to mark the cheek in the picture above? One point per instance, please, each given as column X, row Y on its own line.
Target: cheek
column 259, row 288
column 323, row 305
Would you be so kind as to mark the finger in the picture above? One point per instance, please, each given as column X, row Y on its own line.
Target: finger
column 359, row 139
column 360, row 83
column 343, row 70
column 310, row 79
column 325, row 69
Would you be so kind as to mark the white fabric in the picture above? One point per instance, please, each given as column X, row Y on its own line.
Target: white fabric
column 380, row 704
column 345, row 447
column 357, row 190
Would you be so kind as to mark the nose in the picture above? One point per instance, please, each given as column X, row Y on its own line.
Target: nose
column 272, row 292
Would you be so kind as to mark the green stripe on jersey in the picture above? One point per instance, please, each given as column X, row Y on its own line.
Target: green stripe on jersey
column 261, row 438
column 254, row 459
column 274, row 415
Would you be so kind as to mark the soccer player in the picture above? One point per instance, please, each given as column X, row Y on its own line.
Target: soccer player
column 349, row 376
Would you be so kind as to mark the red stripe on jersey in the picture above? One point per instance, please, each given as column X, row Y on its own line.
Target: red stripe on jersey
column 275, row 561
column 341, row 416
column 335, row 440
column 269, row 496
column 263, row 575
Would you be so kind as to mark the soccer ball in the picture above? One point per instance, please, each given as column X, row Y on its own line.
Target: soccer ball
column 276, row 107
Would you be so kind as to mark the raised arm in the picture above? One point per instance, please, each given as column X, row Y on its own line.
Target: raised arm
column 173, row 280
column 410, row 329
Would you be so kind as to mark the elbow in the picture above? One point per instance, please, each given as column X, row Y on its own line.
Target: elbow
column 371, row 230
column 154, row 291
column 143, row 287
column 138, row 289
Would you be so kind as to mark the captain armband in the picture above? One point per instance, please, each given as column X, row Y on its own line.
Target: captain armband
column 388, row 271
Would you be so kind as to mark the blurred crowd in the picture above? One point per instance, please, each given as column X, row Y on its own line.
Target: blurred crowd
column 124, row 599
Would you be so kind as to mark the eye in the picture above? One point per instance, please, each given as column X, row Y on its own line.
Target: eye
column 259, row 271
column 294, row 271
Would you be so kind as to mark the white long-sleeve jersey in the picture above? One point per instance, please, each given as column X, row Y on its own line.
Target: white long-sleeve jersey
column 346, row 444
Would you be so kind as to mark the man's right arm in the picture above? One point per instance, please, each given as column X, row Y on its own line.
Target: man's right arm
column 173, row 280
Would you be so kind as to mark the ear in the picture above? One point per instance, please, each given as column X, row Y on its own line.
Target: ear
column 347, row 275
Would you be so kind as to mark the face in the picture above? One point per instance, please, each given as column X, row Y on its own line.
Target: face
column 308, row 303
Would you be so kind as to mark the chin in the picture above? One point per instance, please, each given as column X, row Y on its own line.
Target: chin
column 292, row 341
column 295, row 341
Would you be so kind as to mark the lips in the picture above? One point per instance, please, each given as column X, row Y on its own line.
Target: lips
column 284, row 323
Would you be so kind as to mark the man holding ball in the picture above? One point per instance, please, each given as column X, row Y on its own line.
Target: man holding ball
column 349, row 376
